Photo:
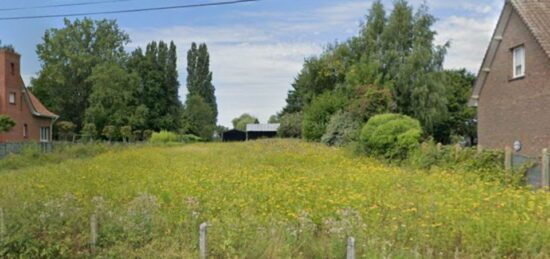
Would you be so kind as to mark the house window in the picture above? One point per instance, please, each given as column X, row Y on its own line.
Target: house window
column 25, row 131
column 519, row 61
column 11, row 98
column 45, row 134
column 12, row 68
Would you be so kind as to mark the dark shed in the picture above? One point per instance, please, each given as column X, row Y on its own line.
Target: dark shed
column 234, row 135
column 258, row 131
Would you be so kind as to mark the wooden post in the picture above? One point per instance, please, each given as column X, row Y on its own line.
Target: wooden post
column 202, row 240
column 93, row 233
column 2, row 225
column 351, row 248
column 545, row 169
column 508, row 159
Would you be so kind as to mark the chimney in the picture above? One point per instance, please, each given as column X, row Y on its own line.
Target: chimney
column 9, row 63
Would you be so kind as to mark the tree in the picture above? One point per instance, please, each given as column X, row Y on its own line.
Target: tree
column 197, row 117
column 318, row 113
column 243, row 120
column 68, row 56
column 66, row 129
column 89, row 131
column 109, row 132
column 126, row 133
column 158, row 85
column 291, row 125
column 114, row 99
column 276, row 118
column 6, row 123
column 199, row 77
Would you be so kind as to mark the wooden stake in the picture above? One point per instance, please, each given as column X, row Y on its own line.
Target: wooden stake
column 202, row 240
column 93, row 233
column 351, row 248
column 2, row 225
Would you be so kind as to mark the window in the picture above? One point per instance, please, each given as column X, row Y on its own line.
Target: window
column 44, row 134
column 519, row 61
column 25, row 131
column 12, row 68
column 12, row 98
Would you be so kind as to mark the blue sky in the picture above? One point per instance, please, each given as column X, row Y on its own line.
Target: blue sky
column 256, row 48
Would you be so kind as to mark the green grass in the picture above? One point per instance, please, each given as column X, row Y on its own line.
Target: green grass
column 265, row 199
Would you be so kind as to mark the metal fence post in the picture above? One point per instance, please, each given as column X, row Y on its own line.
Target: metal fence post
column 508, row 159
column 545, row 169
column 350, row 254
column 202, row 240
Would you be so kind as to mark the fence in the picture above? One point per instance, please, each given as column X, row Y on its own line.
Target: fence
column 11, row 148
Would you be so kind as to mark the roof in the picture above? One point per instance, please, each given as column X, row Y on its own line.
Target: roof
column 273, row 127
column 536, row 16
column 38, row 108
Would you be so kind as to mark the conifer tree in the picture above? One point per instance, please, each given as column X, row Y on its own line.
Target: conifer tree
column 199, row 77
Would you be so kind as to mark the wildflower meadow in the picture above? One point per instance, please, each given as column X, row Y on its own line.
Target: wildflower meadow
column 264, row 199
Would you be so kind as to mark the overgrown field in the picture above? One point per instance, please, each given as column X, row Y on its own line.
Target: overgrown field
column 266, row 199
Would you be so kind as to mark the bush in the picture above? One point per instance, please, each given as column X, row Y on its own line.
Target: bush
column 318, row 113
column 189, row 138
column 341, row 129
column 147, row 134
column 370, row 101
column 137, row 135
column 109, row 132
column 126, row 133
column 6, row 123
column 291, row 125
column 391, row 136
column 164, row 137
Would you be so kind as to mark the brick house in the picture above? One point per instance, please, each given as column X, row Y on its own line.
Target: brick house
column 512, row 90
column 33, row 121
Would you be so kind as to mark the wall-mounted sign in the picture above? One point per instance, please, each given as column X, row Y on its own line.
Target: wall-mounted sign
column 517, row 145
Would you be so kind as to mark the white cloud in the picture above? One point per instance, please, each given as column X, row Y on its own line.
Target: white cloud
column 469, row 39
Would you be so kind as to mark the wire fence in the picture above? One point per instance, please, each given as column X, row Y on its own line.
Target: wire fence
column 15, row 148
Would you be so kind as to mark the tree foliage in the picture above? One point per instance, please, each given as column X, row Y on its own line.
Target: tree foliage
column 318, row 113
column 391, row 136
column 68, row 57
column 6, row 123
column 197, row 117
column 243, row 120
column 199, row 77
column 342, row 129
column 291, row 125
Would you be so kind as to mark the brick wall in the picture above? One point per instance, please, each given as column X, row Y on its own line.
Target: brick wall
column 10, row 81
column 511, row 110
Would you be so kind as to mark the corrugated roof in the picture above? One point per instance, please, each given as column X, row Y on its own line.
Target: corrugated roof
column 262, row 127
column 536, row 15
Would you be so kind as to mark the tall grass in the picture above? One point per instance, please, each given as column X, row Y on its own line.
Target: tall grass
column 266, row 199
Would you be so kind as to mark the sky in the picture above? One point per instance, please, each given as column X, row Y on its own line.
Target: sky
column 257, row 48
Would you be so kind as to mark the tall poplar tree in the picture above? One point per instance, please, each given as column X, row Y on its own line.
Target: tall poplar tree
column 199, row 77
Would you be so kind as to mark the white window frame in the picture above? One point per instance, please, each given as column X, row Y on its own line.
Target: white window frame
column 44, row 134
column 11, row 98
column 25, row 131
column 518, row 56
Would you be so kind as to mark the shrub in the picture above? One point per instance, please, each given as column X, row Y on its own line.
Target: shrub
column 341, row 129
column 188, row 138
column 164, row 137
column 370, row 101
column 291, row 125
column 6, row 123
column 147, row 134
column 137, row 135
column 318, row 113
column 391, row 136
